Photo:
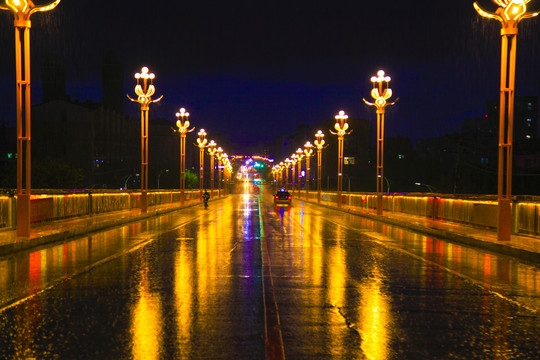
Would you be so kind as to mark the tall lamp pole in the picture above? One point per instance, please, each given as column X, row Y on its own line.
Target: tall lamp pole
column 212, row 152
column 299, row 157
column 509, row 13
column 341, row 126
column 281, row 167
column 183, row 128
column 308, row 151
column 201, row 143
column 219, row 155
column 22, row 10
column 294, row 160
column 144, row 90
column 319, row 143
column 380, row 92
column 287, row 164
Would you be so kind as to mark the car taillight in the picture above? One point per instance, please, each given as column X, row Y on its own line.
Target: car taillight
column 277, row 197
column 289, row 198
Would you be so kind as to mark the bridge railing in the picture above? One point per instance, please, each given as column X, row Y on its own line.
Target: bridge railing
column 476, row 210
column 47, row 205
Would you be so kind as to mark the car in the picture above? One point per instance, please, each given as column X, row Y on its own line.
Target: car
column 282, row 197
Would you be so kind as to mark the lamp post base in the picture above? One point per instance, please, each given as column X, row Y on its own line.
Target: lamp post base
column 379, row 205
column 23, row 215
column 144, row 201
column 504, row 219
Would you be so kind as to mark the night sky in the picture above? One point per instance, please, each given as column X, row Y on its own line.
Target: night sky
column 256, row 69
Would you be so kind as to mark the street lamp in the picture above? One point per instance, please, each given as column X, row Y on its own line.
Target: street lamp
column 219, row 155
column 341, row 126
column 294, row 160
column 227, row 169
column 380, row 92
column 299, row 157
column 308, row 151
column 144, row 90
column 182, row 129
column 201, row 143
column 319, row 143
column 22, row 10
column 287, row 164
column 212, row 152
column 509, row 13
column 281, row 167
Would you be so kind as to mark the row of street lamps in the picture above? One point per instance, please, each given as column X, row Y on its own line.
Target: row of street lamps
column 144, row 90
column 381, row 92
column 509, row 13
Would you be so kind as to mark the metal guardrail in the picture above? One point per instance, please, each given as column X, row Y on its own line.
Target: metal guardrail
column 466, row 209
column 476, row 210
column 50, row 205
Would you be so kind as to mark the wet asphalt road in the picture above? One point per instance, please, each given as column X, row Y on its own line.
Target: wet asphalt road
column 244, row 280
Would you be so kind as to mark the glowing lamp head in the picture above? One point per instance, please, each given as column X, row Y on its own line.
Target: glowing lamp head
column 24, row 8
column 201, row 141
column 341, row 121
column 509, row 12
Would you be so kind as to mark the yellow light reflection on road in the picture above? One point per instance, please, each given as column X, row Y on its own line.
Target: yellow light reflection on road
column 183, row 291
column 374, row 320
column 337, row 274
column 146, row 321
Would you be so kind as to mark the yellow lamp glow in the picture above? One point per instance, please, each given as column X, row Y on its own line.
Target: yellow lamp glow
column 509, row 12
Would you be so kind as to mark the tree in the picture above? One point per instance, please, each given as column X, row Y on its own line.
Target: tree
column 56, row 174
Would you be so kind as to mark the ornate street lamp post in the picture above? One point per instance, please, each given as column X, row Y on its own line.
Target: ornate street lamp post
column 22, row 10
column 144, row 90
column 308, row 151
column 212, row 152
column 380, row 92
column 183, row 126
column 509, row 13
column 281, row 167
column 294, row 160
column 219, row 155
column 319, row 143
column 201, row 143
column 299, row 157
column 287, row 164
column 341, row 126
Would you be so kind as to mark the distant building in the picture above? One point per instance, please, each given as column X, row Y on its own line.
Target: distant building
column 112, row 83
column 525, row 117
column 53, row 76
column 104, row 143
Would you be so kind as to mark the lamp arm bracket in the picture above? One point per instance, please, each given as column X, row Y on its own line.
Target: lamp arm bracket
column 367, row 102
column 158, row 99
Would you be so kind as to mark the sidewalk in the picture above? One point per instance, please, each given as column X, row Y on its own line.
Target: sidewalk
column 59, row 230
column 523, row 247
